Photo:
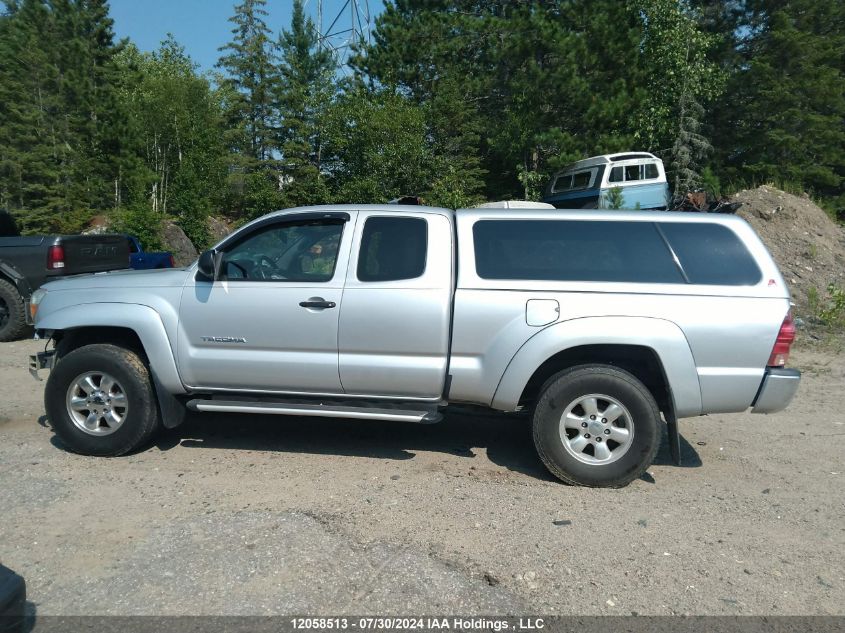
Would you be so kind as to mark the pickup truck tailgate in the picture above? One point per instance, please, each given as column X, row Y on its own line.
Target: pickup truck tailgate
column 94, row 253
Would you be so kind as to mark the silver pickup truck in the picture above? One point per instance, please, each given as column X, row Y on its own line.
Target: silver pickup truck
column 593, row 322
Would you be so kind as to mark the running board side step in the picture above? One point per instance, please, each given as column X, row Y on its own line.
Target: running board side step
column 429, row 416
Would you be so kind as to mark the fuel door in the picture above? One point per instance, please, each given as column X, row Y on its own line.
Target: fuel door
column 539, row 312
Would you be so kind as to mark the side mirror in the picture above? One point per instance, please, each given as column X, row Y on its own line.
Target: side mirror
column 207, row 265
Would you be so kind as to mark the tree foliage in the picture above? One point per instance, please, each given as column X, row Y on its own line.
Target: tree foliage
column 249, row 82
column 59, row 129
column 304, row 96
column 176, row 135
column 788, row 125
column 375, row 147
column 456, row 101
column 670, row 118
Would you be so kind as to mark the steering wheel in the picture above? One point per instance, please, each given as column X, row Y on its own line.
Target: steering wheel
column 266, row 264
column 239, row 267
column 264, row 260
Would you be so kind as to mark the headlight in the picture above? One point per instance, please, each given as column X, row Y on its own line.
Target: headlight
column 35, row 300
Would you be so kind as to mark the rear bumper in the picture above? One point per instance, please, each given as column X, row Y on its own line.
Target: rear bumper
column 778, row 389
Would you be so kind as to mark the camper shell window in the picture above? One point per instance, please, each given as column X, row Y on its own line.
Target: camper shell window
column 580, row 250
column 602, row 251
column 582, row 179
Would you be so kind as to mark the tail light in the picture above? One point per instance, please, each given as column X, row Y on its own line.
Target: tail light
column 172, row 262
column 780, row 352
column 56, row 257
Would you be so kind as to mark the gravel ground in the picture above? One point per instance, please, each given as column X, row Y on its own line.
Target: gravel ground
column 253, row 514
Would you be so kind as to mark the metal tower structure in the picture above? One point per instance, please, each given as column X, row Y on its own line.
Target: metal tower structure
column 339, row 29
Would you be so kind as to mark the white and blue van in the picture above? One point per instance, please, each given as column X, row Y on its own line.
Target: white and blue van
column 586, row 184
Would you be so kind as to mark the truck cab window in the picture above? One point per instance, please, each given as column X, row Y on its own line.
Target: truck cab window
column 286, row 252
column 393, row 249
column 616, row 174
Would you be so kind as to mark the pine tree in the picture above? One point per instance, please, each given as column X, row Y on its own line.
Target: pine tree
column 789, row 124
column 305, row 92
column 55, row 136
column 85, row 54
column 442, row 55
column 512, row 88
column 27, row 141
column 252, row 76
column 247, row 91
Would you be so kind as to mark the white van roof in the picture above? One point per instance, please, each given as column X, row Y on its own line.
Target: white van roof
column 604, row 159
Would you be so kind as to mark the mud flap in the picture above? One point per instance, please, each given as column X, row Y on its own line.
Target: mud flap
column 172, row 411
column 674, row 437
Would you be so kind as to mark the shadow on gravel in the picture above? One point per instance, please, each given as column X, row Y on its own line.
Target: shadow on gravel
column 507, row 438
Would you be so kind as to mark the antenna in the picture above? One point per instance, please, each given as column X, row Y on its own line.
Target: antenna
column 349, row 26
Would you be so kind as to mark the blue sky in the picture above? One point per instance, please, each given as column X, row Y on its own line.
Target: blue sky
column 202, row 26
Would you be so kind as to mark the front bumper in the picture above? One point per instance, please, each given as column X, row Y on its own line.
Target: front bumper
column 778, row 389
column 41, row 360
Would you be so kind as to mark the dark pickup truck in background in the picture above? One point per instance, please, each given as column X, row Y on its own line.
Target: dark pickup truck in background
column 27, row 262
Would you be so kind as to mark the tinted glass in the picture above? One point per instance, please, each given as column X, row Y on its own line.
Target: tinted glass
column 616, row 174
column 581, row 180
column 286, row 252
column 573, row 250
column 651, row 170
column 563, row 183
column 393, row 249
column 632, row 172
column 711, row 254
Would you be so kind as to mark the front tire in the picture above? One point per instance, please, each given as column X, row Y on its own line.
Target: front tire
column 596, row 426
column 100, row 401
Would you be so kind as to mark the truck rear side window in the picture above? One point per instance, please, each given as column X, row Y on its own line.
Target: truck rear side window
column 711, row 254
column 576, row 250
column 393, row 249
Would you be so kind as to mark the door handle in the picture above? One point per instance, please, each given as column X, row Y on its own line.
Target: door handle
column 317, row 302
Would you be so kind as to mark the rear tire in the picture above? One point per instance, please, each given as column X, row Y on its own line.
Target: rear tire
column 596, row 426
column 100, row 401
column 12, row 313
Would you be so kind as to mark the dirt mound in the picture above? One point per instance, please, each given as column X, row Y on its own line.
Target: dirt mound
column 807, row 245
